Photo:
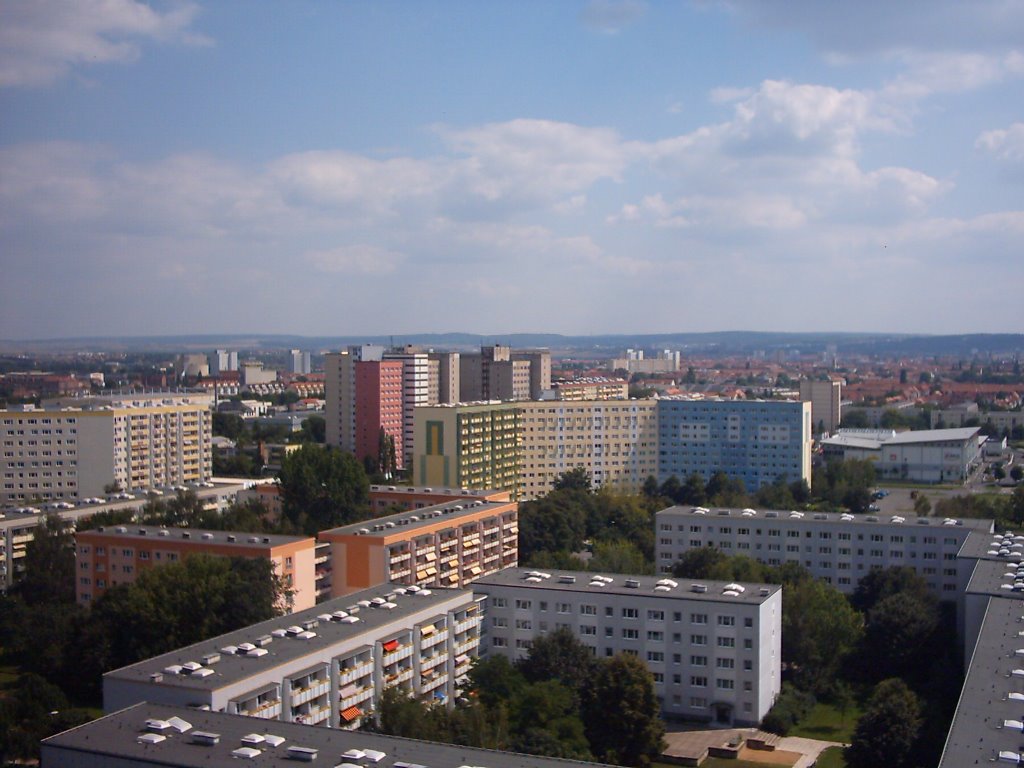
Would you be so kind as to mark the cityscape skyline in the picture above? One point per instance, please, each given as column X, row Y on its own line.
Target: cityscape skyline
column 581, row 167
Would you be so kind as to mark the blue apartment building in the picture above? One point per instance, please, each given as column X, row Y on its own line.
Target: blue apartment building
column 755, row 441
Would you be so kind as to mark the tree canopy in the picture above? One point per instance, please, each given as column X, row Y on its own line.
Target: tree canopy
column 323, row 488
column 886, row 732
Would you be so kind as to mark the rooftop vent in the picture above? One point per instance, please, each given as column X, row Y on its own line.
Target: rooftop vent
column 566, row 579
column 205, row 738
column 305, row 754
column 772, row 513
column 150, row 738
column 245, row 753
column 232, row 538
column 633, row 583
column 699, row 588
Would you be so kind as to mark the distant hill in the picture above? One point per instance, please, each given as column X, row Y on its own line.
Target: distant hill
column 604, row 345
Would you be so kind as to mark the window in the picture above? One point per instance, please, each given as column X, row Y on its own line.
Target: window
column 698, row 640
column 543, row 605
column 588, row 610
column 726, row 642
column 698, row 618
column 631, row 634
column 727, row 621
column 725, row 663
column 655, row 656
column 655, row 615
column 748, row 622
column 523, row 605
column 698, row 702
column 499, row 642
column 748, row 665
column 499, row 622
column 748, row 644
column 698, row 681
column 725, row 685
column 630, row 613
column 656, row 637
column 499, row 602
column 587, row 629
column 563, row 607
column 698, row 661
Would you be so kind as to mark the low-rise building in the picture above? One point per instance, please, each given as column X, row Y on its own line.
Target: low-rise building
column 325, row 666
column 445, row 545
column 713, row 648
column 918, row 456
column 112, row 555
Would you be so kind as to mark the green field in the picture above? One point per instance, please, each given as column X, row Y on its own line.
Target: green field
column 831, row 758
column 826, row 723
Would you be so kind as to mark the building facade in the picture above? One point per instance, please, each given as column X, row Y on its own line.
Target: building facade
column 839, row 549
column 325, row 666
column 474, row 446
column 825, row 398
column 756, row 441
column 615, row 441
column 73, row 448
column 714, row 649
column 108, row 556
column 922, row 456
column 378, row 406
column 591, row 388
column 444, row 545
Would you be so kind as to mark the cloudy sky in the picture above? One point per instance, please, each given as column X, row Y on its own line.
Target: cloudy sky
column 338, row 167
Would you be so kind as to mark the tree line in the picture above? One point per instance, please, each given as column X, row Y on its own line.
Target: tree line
column 559, row 701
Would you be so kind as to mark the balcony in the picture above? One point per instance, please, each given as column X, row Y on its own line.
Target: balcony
column 431, row 640
column 316, row 689
column 430, row 684
column 352, row 674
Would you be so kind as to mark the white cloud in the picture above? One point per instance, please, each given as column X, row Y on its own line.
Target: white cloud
column 1006, row 144
column 950, row 72
column 612, row 16
column 42, row 40
column 535, row 159
column 359, row 259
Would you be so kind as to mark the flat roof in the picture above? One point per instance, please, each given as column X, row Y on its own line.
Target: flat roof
column 193, row 536
column 420, row 518
column 934, row 435
column 115, row 736
column 630, row 586
column 987, row 721
column 423, row 490
column 748, row 515
column 283, row 650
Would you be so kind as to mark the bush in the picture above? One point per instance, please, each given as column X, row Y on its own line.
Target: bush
column 790, row 708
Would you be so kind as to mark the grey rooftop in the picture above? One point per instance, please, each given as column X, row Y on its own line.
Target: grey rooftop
column 748, row 515
column 321, row 627
column 203, row 739
column 418, row 518
column 631, row 586
column 194, row 535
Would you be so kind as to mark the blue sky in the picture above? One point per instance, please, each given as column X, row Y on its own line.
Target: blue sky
column 575, row 167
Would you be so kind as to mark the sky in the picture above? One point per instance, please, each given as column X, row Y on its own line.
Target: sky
column 337, row 167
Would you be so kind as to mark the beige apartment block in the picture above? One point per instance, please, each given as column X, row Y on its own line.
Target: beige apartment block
column 615, row 441
column 72, row 448
column 108, row 556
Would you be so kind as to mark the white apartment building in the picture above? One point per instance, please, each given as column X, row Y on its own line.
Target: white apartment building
column 713, row 648
column 838, row 548
column 921, row 456
column 616, row 441
column 72, row 448
column 328, row 665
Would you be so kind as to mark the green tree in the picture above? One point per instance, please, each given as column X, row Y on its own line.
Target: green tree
column 577, row 479
column 494, row 680
column 922, row 506
column 820, row 630
column 621, row 713
column 1017, row 473
column 560, row 656
column 49, row 565
column 880, row 583
column 229, row 425
column 619, row 556
column 886, row 732
column 314, row 430
column 551, row 524
column 323, row 487
column 698, row 563
column 898, row 626
column 544, row 720
column 855, row 420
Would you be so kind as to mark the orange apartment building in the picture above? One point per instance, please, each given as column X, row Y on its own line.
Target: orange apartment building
column 108, row 556
column 445, row 545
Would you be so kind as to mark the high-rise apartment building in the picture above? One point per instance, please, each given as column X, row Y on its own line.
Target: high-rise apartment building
column 615, row 441
column 500, row 373
column 300, row 362
column 222, row 360
column 447, row 374
column 378, row 408
column 74, row 447
column 714, row 649
column 474, row 446
column 756, row 441
column 112, row 555
column 825, row 398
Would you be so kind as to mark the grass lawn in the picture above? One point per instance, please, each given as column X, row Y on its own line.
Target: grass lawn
column 824, row 722
column 831, row 758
